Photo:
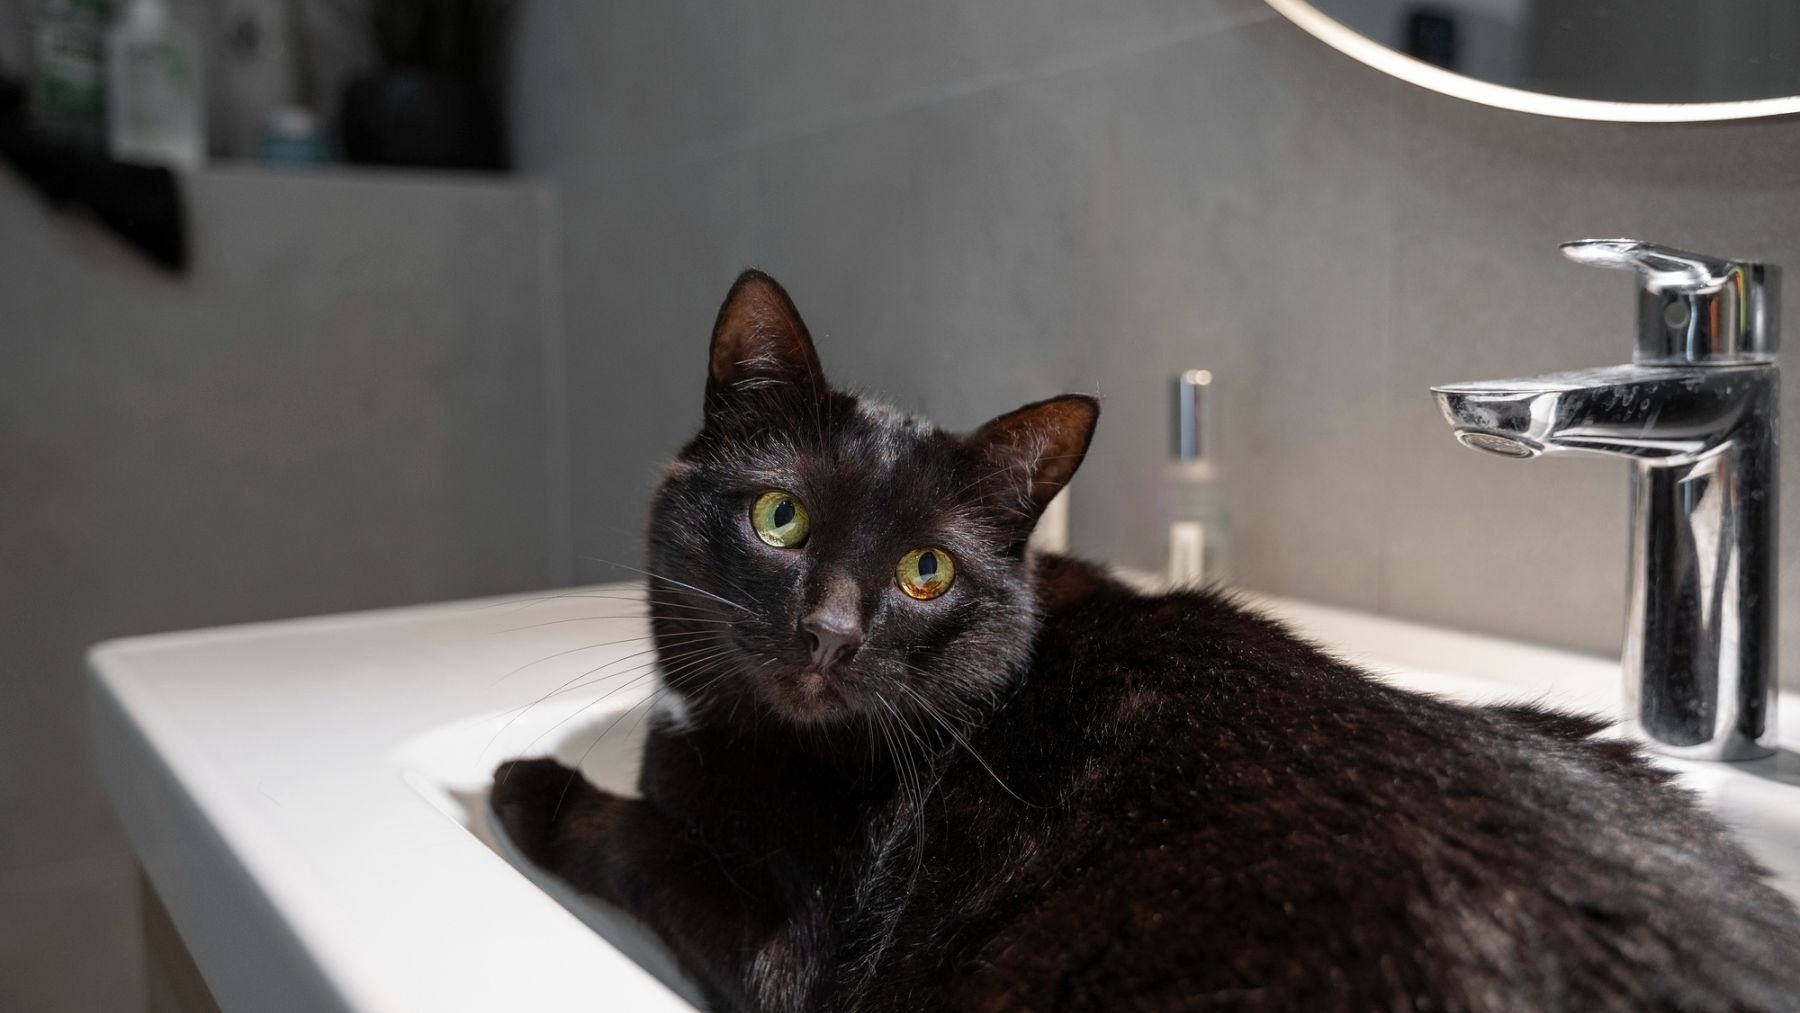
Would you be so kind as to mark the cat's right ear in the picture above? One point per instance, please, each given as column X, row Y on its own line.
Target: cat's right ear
column 759, row 342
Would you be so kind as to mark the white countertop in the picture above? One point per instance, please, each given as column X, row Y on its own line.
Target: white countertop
column 306, row 795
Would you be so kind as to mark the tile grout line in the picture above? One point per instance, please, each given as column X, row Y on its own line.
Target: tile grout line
column 559, row 507
column 1384, row 517
column 754, row 139
column 1051, row 67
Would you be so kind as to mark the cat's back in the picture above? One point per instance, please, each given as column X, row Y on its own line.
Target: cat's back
column 1221, row 814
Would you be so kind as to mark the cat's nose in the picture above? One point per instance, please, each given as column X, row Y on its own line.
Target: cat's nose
column 831, row 636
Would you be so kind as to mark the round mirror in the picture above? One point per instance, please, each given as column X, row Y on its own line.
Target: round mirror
column 1633, row 60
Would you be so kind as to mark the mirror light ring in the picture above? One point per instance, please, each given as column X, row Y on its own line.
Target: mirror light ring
column 1374, row 54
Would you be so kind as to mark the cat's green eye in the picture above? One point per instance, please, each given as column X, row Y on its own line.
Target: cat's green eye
column 925, row 573
column 779, row 519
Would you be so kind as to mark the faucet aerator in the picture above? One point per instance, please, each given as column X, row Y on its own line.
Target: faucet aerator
column 1494, row 443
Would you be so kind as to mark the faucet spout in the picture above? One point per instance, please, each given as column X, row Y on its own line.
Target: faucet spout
column 1699, row 644
column 1664, row 414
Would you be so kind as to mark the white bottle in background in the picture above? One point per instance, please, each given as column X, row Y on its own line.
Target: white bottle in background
column 1052, row 531
column 1193, row 492
column 155, row 99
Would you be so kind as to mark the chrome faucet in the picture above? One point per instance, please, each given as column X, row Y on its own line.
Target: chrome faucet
column 1696, row 414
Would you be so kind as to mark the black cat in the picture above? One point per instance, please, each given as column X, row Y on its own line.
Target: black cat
column 906, row 765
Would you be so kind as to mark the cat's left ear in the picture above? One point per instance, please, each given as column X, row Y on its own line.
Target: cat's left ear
column 1038, row 447
column 760, row 341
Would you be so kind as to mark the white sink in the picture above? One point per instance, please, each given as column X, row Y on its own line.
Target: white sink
column 308, row 796
column 600, row 730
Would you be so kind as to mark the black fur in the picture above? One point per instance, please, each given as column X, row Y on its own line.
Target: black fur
column 1046, row 791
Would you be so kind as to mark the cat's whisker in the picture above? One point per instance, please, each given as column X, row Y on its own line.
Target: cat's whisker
column 880, row 724
column 689, row 663
column 572, row 650
column 681, row 665
column 908, row 773
column 929, row 710
column 682, row 644
column 522, row 710
column 671, row 580
column 647, row 706
column 583, row 709
column 897, row 745
column 558, row 622
column 582, row 761
column 869, row 726
column 905, row 725
column 677, row 657
column 890, row 837
column 708, row 595
column 736, row 587
column 967, row 711
column 698, row 694
column 594, row 619
column 533, row 602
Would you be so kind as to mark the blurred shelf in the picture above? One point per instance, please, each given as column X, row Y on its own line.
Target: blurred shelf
column 376, row 175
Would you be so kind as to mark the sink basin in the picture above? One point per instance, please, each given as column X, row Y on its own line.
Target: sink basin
column 309, row 797
column 598, row 730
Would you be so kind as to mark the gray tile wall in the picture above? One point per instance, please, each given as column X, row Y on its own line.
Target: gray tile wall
column 342, row 407
column 976, row 204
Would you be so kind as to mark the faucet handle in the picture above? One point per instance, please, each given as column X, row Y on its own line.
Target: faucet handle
column 1693, row 307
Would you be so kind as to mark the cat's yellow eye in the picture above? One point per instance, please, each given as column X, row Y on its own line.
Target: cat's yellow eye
column 925, row 573
column 779, row 519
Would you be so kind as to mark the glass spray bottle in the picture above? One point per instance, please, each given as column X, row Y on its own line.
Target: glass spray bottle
column 1199, row 532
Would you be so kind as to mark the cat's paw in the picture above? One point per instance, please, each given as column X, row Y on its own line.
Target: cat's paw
column 559, row 822
column 528, row 797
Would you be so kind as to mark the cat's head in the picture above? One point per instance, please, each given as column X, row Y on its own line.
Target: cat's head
column 824, row 559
